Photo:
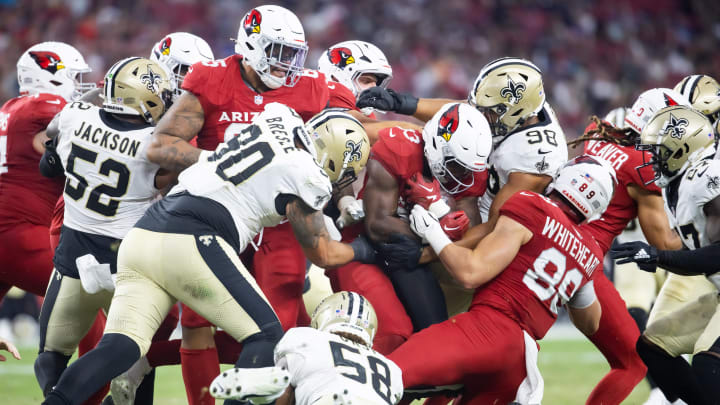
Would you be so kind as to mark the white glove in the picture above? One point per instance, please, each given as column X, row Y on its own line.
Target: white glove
column 94, row 276
column 351, row 211
column 427, row 226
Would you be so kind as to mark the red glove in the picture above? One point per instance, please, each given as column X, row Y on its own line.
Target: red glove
column 455, row 224
column 426, row 194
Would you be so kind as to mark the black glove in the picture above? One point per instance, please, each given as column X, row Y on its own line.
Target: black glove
column 401, row 252
column 641, row 253
column 364, row 251
column 384, row 99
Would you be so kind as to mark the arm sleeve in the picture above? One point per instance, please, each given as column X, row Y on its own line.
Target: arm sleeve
column 705, row 260
column 584, row 297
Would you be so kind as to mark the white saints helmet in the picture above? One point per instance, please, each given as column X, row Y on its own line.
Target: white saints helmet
column 272, row 40
column 346, row 312
column 55, row 68
column 346, row 61
column 137, row 86
column 676, row 137
column 342, row 145
column 508, row 91
column 703, row 93
column 587, row 183
column 649, row 102
column 458, row 142
column 177, row 52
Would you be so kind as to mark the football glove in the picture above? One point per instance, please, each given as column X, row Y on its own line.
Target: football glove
column 427, row 226
column 455, row 224
column 426, row 194
column 363, row 250
column 351, row 211
column 641, row 253
column 384, row 99
column 400, row 252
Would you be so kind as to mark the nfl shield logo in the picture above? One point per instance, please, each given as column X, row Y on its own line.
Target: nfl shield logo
column 258, row 99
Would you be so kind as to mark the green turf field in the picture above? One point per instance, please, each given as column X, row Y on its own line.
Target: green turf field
column 570, row 368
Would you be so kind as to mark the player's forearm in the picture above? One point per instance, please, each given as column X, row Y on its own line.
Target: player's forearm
column 458, row 261
column 172, row 153
column 427, row 107
column 705, row 260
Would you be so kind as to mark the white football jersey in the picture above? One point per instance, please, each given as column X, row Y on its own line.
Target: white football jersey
column 322, row 363
column 684, row 202
column 538, row 149
column 110, row 183
column 252, row 174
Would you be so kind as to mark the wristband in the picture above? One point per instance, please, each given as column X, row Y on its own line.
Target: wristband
column 344, row 201
column 437, row 238
column 439, row 208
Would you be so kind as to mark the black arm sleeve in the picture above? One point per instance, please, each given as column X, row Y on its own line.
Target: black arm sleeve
column 50, row 163
column 705, row 260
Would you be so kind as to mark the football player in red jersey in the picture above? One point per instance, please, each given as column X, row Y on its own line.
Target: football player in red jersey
column 617, row 335
column 451, row 151
column 49, row 75
column 221, row 99
column 535, row 259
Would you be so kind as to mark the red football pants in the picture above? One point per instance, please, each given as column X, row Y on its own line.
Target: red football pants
column 25, row 258
column 481, row 348
column 394, row 325
column 615, row 338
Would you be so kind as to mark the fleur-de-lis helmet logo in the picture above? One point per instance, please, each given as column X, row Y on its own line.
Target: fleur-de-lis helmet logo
column 151, row 80
column 352, row 153
column 674, row 127
column 513, row 92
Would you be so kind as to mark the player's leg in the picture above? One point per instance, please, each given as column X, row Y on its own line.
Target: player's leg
column 706, row 354
column 198, row 356
column 394, row 325
column 211, row 266
column 479, row 345
column 66, row 316
column 139, row 305
column 279, row 269
column 615, row 338
column 421, row 295
column 667, row 338
column 26, row 257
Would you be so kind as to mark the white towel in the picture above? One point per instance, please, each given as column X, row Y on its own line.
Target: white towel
column 531, row 389
column 94, row 276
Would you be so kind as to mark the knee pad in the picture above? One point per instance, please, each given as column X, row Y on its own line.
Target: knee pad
column 49, row 366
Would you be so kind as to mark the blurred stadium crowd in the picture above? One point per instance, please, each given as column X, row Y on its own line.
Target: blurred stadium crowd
column 596, row 55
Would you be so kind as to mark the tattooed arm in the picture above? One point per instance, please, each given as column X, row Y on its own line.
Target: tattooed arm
column 309, row 228
column 170, row 148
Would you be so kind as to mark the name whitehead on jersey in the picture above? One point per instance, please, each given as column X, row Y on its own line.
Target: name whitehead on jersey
column 567, row 241
column 107, row 139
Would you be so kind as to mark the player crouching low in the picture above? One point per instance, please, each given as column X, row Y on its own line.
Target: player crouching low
column 329, row 363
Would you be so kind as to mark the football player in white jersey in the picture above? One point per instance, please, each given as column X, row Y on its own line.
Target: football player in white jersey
column 110, row 183
column 331, row 362
column 681, row 141
column 185, row 248
column 177, row 52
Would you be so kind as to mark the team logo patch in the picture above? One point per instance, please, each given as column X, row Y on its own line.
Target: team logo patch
column 165, row 46
column 251, row 25
column 713, row 183
column 674, row 127
column 206, row 239
column 542, row 165
column 151, row 80
column 449, row 122
column 341, row 57
column 352, row 153
column 513, row 92
column 669, row 101
column 49, row 61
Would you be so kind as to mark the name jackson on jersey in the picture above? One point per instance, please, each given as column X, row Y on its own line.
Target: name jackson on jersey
column 107, row 139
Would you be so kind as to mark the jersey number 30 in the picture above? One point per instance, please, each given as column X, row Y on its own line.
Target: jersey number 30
column 379, row 371
column 106, row 167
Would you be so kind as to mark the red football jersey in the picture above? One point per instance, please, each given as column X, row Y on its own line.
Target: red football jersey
column 401, row 153
column 25, row 195
column 547, row 271
column 622, row 208
column 341, row 96
column 230, row 104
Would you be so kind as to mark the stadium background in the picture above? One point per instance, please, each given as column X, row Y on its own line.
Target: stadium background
column 595, row 56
